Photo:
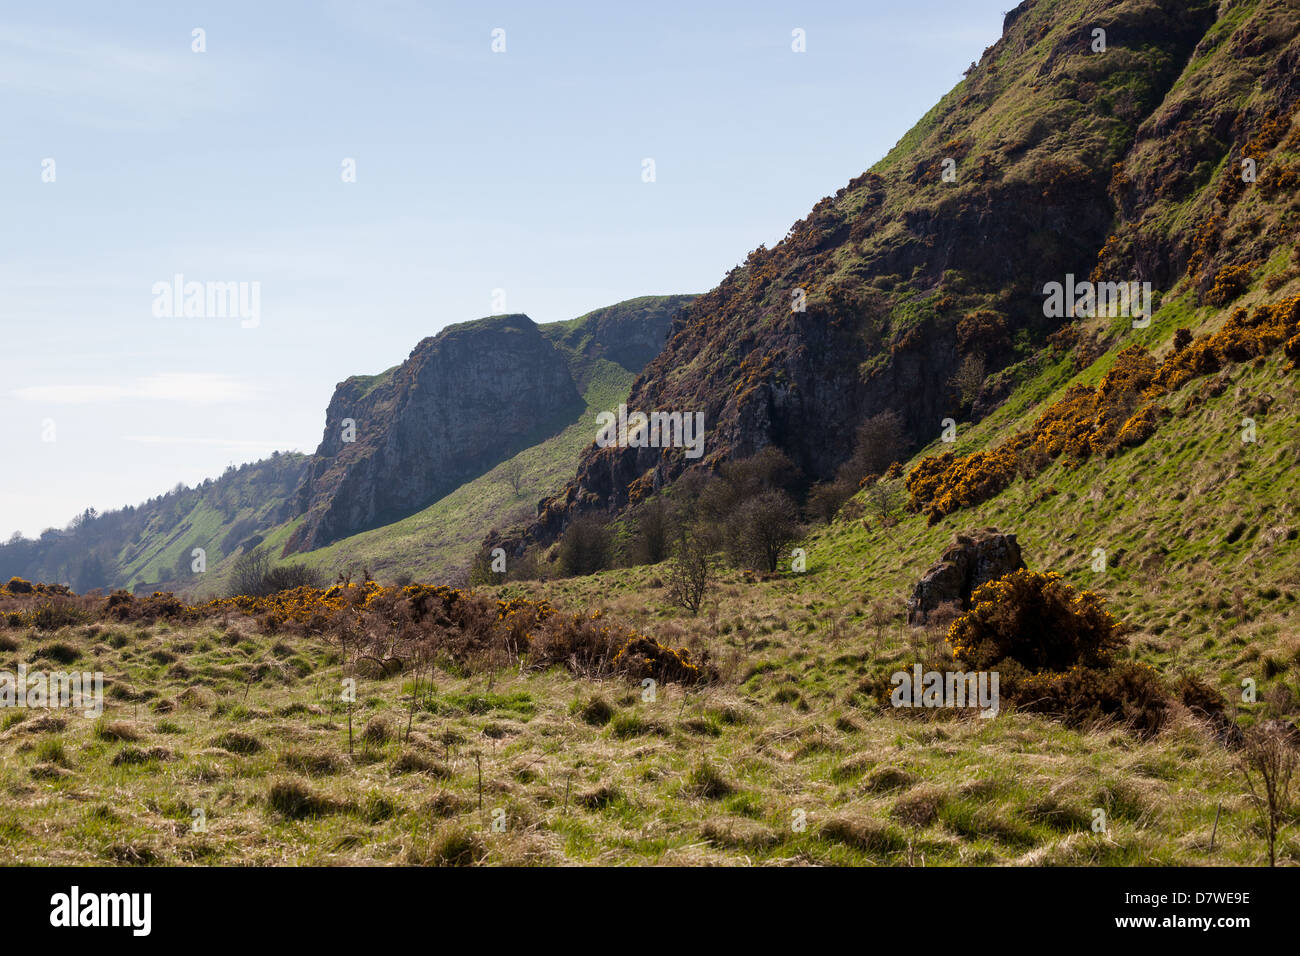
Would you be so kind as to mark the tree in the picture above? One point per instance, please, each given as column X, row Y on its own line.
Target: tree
column 690, row 574
column 512, row 472
column 585, row 547
column 740, row 480
column 969, row 379
column 253, row 575
column 481, row 573
column 827, row 497
column 880, row 441
column 762, row 528
column 249, row 571
column 653, row 531
column 285, row 577
column 884, row 499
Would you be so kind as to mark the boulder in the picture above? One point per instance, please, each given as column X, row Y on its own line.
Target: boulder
column 974, row 558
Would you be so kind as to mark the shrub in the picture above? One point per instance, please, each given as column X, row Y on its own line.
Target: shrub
column 1230, row 283
column 1036, row 620
column 50, row 615
column 642, row 657
column 1119, row 412
column 1129, row 692
column 1268, row 761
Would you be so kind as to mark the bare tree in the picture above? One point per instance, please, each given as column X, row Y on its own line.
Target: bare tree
column 827, row 498
column 512, row 472
column 881, row 440
column 762, row 528
column 248, row 574
column 653, row 529
column 1268, row 760
column 690, row 574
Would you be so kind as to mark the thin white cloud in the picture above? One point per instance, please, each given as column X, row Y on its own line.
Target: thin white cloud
column 102, row 83
column 196, row 388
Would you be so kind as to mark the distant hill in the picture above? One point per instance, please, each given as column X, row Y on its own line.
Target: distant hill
column 466, row 402
column 152, row 543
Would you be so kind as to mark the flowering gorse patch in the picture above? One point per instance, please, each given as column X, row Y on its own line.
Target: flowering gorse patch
column 1122, row 411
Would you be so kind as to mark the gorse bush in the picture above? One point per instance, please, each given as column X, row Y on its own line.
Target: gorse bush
column 1036, row 620
column 52, row 614
column 1129, row 692
column 1053, row 648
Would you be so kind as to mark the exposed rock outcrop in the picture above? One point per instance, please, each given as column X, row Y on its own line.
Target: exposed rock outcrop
column 972, row 559
column 465, row 400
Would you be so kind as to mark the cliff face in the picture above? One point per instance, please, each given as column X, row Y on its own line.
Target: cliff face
column 1095, row 138
column 465, row 400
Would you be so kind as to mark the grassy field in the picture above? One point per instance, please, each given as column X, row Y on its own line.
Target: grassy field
column 223, row 746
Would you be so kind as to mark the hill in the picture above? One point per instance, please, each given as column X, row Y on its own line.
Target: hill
column 1097, row 141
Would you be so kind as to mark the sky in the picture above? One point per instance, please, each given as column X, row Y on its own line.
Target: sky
column 365, row 172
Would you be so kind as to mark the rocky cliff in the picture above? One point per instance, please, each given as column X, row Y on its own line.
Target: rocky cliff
column 466, row 399
column 1098, row 138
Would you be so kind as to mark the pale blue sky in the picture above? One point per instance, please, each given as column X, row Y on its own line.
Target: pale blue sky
column 476, row 171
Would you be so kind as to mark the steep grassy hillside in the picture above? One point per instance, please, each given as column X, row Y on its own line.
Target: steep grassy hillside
column 1094, row 139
